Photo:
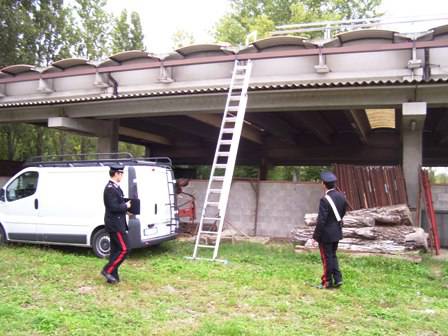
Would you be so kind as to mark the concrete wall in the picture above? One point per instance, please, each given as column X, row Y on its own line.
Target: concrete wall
column 281, row 205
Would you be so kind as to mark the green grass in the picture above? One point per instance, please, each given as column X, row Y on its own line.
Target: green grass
column 264, row 290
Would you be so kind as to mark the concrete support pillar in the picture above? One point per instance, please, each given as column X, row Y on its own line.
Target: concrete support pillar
column 264, row 167
column 412, row 122
column 147, row 151
column 107, row 131
column 109, row 143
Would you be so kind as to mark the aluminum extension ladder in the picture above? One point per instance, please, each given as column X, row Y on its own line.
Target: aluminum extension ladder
column 174, row 213
column 218, row 189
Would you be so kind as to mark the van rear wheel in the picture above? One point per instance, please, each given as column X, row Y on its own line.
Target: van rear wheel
column 101, row 244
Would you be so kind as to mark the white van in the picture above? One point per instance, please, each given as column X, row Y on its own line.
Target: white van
column 62, row 203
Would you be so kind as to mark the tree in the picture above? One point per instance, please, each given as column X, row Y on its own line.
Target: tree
column 31, row 32
column 49, row 35
column 13, row 19
column 127, row 34
column 182, row 38
column 92, row 32
column 263, row 15
column 296, row 173
column 136, row 32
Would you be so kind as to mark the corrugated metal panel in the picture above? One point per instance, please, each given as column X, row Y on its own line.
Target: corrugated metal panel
column 70, row 62
column 224, row 89
column 18, row 69
column 203, row 48
column 442, row 224
column 132, row 54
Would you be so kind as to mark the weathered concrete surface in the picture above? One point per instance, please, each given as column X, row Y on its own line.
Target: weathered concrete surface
column 281, row 205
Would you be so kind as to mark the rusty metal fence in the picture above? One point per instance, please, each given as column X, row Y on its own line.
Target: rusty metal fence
column 372, row 186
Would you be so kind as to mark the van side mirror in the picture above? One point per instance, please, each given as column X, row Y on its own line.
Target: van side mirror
column 2, row 195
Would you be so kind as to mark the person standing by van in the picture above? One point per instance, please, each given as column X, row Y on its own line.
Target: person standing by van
column 115, row 222
column 328, row 231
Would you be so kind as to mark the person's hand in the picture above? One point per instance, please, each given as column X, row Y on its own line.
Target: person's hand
column 128, row 204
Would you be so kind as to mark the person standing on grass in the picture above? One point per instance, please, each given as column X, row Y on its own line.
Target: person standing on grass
column 328, row 230
column 115, row 222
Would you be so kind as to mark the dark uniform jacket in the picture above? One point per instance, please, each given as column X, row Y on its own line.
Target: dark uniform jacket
column 328, row 229
column 114, row 202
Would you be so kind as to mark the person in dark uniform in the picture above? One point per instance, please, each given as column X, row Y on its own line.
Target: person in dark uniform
column 328, row 230
column 115, row 222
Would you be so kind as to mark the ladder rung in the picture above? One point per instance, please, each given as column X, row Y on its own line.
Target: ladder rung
column 217, row 191
column 224, row 261
column 209, row 232
column 211, row 218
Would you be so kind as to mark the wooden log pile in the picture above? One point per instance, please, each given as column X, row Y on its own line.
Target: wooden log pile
column 378, row 230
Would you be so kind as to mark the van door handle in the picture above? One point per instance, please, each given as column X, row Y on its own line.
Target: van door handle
column 36, row 203
column 155, row 208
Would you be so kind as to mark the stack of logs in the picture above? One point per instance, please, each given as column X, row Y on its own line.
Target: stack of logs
column 377, row 230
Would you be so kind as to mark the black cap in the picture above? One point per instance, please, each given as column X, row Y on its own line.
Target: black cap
column 117, row 169
column 328, row 177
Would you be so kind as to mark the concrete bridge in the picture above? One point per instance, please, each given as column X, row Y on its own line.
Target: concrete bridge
column 365, row 97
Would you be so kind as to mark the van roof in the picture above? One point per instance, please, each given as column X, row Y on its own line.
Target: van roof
column 154, row 161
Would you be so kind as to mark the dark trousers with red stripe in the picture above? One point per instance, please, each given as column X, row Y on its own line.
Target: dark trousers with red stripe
column 331, row 275
column 118, row 252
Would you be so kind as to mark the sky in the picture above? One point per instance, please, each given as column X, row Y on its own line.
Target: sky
column 161, row 19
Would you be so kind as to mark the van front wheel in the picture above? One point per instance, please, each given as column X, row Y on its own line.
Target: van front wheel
column 101, row 244
column 2, row 236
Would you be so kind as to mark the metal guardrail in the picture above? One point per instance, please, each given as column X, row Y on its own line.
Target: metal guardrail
column 328, row 27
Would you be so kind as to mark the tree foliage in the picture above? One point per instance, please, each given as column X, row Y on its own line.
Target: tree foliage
column 91, row 35
column 38, row 32
column 182, row 38
column 33, row 32
column 263, row 16
column 127, row 33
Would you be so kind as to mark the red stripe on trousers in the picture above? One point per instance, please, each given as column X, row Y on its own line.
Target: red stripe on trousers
column 324, row 264
column 121, row 255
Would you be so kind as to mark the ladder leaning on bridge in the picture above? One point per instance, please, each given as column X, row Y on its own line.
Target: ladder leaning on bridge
column 218, row 189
